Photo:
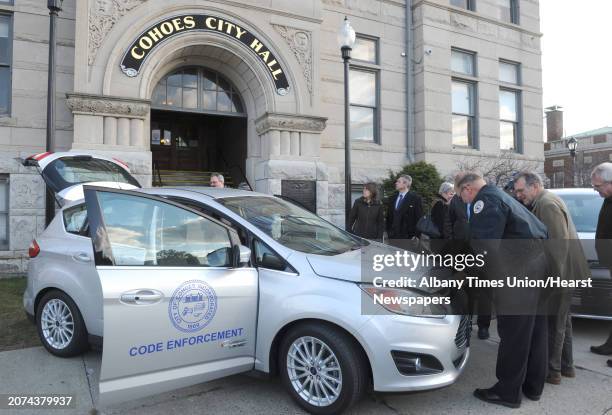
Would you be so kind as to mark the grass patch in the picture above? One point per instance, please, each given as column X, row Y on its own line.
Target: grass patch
column 17, row 331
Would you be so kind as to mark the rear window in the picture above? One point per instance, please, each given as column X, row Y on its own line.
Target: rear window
column 69, row 171
column 584, row 209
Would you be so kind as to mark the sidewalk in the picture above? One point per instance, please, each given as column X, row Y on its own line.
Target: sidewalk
column 35, row 371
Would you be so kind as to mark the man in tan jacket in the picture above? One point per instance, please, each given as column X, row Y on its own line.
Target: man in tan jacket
column 567, row 260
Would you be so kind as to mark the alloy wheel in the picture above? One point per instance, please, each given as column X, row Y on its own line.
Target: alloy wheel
column 314, row 371
column 57, row 323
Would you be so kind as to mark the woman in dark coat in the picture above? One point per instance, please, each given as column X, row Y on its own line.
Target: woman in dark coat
column 366, row 218
column 439, row 210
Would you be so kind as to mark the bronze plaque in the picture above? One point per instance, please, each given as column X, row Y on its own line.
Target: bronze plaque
column 303, row 192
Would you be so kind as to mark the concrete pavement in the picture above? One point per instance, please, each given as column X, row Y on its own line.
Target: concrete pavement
column 36, row 371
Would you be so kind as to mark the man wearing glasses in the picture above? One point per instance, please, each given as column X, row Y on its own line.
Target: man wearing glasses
column 601, row 179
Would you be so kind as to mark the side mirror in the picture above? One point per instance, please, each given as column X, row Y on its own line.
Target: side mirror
column 245, row 255
column 272, row 262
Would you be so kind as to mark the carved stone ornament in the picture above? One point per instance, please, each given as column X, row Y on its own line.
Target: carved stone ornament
column 103, row 15
column 94, row 104
column 300, row 43
column 288, row 122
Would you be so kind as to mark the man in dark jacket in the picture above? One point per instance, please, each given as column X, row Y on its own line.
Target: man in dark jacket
column 404, row 210
column 601, row 179
column 456, row 227
column 521, row 359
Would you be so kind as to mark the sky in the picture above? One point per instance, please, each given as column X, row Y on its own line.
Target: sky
column 577, row 61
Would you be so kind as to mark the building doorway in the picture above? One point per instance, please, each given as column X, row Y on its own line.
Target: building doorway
column 198, row 124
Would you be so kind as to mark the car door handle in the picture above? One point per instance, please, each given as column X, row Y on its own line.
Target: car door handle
column 141, row 297
column 230, row 344
column 82, row 257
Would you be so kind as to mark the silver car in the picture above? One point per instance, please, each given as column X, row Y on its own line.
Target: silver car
column 186, row 285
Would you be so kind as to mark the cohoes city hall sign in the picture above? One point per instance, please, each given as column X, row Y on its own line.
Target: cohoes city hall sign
column 148, row 40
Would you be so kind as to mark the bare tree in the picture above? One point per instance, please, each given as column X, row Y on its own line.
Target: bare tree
column 498, row 171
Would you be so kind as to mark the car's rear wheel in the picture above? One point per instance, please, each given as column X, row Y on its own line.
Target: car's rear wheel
column 60, row 325
column 322, row 368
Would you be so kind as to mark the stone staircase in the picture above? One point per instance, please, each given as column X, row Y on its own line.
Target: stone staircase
column 174, row 178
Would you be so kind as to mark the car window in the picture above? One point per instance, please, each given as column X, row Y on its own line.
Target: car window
column 265, row 257
column 142, row 231
column 584, row 209
column 291, row 225
column 75, row 220
column 68, row 171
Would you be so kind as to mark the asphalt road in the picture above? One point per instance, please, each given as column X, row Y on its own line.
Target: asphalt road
column 33, row 370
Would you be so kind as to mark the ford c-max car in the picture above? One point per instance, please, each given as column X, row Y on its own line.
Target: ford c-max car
column 186, row 285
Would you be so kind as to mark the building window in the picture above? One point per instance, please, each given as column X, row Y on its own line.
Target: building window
column 465, row 4
column 509, row 107
column 509, row 72
column 508, row 11
column 5, row 63
column 4, row 212
column 197, row 89
column 364, row 86
column 365, row 49
column 463, row 64
column 558, row 180
column 508, row 119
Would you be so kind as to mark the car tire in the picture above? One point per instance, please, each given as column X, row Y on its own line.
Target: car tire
column 338, row 372
column 60, row 325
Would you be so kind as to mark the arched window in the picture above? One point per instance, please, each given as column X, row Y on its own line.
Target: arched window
column 197, row 89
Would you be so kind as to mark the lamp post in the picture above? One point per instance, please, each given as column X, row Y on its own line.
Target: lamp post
column 572, row 145
column 346, row 40
column 54, row 6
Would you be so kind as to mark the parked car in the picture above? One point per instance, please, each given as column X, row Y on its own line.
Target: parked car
column 187, row 285
column 594, row 302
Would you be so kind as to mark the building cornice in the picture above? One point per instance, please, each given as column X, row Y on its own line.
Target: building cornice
column 289, row 122
column 107, row 105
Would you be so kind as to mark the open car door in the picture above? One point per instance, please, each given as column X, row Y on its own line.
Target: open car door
column 179, row 309
column 65, row 173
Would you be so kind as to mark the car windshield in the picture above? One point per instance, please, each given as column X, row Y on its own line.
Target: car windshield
column 292, row 226
column 69, row 171
column 584, row 209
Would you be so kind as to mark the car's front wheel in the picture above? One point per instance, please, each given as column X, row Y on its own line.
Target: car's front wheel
column 60, row 325
column 322, row 368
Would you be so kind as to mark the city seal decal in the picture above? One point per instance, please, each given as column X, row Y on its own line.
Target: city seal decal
column 192, row 306
column 141, row 47
column 478, row 206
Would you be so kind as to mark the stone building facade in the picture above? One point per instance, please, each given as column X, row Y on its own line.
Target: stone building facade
column 461, row 81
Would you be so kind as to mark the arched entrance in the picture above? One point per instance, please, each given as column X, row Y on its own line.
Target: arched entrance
column 198, row 126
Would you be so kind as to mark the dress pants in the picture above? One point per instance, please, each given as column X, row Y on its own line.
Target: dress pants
column 522, row 356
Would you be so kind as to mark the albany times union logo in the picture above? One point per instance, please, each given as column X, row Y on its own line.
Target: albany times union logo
column 192, row 306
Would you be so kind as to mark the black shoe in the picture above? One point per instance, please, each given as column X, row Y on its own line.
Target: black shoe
column 609, row 362
column 483, row 333
column 605, row 349
column 491, row 397
column 531, row 396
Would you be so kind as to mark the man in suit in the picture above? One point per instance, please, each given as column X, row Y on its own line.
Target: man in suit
column 567, row 261
column 404, row 210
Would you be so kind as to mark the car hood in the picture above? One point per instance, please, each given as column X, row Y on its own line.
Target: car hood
column 348, row 267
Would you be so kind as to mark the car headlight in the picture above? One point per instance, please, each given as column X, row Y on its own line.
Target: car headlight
column 407, row 302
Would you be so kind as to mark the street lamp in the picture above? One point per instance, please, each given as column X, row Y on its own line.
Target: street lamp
column 54, row 6
column 346, row 40
column 572, row 145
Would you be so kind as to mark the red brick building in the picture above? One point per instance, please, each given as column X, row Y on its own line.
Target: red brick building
column 594, row 147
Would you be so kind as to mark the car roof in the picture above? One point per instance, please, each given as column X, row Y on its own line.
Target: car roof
column 212, row 192
column 575, row 191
